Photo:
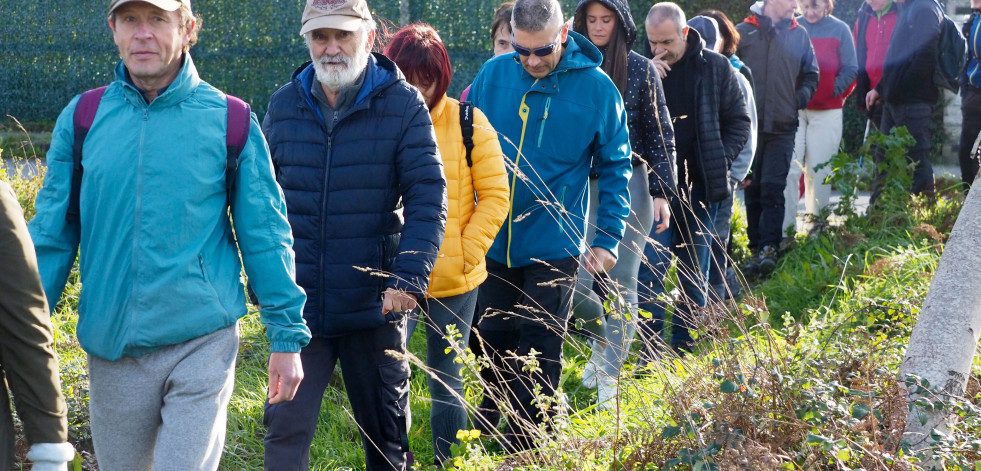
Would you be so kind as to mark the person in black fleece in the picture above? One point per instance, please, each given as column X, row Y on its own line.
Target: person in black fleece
column 711, row 126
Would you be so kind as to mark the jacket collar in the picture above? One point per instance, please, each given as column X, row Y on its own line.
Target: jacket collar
column 580, row 53
column 437, row 112
column 183, row 85
column 381, row 72
column 761, row 21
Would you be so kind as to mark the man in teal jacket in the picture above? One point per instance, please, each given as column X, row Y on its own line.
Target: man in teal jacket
column 158, row 262
column 558, row 116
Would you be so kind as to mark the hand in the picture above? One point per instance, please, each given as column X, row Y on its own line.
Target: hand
column 599, row 260
column 662, row 214
column 871, row 99
column 745, row 183
column 397, row 301
column 285, row 374
column 662, row 67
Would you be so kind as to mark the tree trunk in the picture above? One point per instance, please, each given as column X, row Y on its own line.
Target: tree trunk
column 404, row 13
column 941, row 348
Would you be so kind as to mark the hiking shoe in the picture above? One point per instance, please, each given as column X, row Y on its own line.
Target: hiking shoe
column 768, row 260
column 751, row 269
column 589, row 373
column 606, row 393
column 732, row 281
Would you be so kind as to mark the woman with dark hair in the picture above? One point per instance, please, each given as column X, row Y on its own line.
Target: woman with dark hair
column 477, row 197
column 610, row 27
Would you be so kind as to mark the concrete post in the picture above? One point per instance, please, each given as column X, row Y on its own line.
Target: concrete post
column 941, row 348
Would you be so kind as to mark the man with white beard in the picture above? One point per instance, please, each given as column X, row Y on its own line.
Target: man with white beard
column 353, row 144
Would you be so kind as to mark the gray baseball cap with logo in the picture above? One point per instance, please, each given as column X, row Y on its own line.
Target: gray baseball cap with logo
column 345, row 15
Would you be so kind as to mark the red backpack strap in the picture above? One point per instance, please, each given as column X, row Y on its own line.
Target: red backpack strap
column 236, row 136
column 82, row 120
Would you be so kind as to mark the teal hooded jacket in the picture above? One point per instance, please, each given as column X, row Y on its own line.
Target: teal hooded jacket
column 157, row 258
column 553, row 130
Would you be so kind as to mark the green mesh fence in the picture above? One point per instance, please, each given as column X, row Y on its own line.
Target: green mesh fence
column 53, row 50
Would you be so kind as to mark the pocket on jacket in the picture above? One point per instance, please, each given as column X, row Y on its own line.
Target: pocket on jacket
column 395, row 401
column 206, row 276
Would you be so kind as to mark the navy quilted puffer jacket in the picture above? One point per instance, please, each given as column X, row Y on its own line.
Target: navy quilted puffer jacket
column 366, row 202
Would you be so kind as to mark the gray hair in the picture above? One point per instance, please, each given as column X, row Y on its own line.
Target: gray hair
column 533, row 16
column 667, row 11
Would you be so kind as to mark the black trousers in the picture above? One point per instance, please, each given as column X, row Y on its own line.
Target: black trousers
column 971, row 126
column 525, row 308
column 377, row 386
column 764, row 196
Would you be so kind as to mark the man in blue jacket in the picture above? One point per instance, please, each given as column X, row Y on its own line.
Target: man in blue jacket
column 355, row 152
column 907, row 91
column 557, row 113
column 160, row 271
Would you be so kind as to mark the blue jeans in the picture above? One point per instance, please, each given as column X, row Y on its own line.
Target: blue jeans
column 690, row 240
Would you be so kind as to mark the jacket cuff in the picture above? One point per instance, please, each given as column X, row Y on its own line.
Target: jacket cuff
column 607, row 242
column 51, row 456
column 281, row 346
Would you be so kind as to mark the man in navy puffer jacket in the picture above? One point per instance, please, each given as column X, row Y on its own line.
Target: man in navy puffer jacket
column 355, row 152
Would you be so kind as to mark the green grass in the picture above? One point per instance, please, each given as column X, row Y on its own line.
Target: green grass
column 800, row 374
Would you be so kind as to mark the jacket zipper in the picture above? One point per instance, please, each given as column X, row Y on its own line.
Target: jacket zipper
column 523, row 111
column 541, row 130
column 977, row 61
column 698, row 137
column 323, row 230
column 138, row 219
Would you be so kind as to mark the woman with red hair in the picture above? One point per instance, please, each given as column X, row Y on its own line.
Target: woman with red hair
column 477, row 197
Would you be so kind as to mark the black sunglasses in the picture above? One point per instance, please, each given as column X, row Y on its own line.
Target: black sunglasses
column 538, row 51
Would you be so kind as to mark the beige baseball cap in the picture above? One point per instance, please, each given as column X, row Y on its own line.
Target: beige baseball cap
column 345, row 15
column 166, row 5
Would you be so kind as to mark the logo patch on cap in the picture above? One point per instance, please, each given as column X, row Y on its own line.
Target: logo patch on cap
column 329, row 5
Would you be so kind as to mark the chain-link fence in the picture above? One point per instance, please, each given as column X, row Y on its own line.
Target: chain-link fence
column 53, row 50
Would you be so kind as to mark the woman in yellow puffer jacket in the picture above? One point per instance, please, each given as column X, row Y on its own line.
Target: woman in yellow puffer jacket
column 478, row 203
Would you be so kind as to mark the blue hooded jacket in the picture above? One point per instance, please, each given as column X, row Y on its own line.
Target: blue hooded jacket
column 551, row 129
column 158, row 262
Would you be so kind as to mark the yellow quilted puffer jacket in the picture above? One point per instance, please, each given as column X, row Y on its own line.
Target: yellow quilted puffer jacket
column 471, row 223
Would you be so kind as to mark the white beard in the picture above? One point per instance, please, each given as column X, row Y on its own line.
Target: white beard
column 337, row 77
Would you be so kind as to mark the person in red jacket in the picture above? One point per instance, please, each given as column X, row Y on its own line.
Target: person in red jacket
column 872, row 32
column 819, row 131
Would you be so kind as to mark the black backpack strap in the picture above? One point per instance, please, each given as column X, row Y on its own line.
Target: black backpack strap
column 466, row 127
column 85, row 110
column 236, row 136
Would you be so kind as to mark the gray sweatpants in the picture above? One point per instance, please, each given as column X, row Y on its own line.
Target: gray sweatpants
column 165, row 410
column 618, row 328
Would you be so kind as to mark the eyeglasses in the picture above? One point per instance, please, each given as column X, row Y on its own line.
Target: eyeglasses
column 538, row 51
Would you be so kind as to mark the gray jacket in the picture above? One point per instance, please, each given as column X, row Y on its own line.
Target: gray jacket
column 784, row 67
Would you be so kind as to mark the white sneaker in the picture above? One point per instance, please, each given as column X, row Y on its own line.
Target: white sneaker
column 606, row 393
column 589, row 373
